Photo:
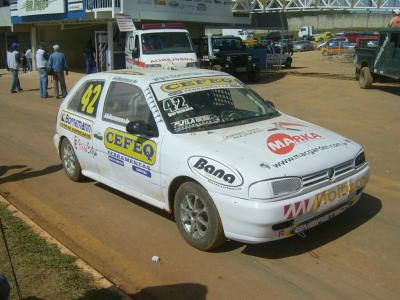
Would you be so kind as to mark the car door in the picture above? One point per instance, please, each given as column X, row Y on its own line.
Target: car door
column 78, row 121
column 132, row 159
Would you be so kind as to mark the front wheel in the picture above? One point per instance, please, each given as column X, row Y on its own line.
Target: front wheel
column 365, row 78
column 255, row 76
column 70, row 161
column 288, row 62
column 197, row 217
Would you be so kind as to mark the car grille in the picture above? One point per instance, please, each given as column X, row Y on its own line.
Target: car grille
column 328, row 174
column 239, row 60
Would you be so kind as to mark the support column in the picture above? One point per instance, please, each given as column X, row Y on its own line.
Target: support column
column 110, row 41
column 33, row 46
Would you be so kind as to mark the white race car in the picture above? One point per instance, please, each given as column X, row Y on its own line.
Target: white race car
column 204, row 146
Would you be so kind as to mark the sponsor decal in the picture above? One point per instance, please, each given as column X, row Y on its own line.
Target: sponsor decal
column 129, row 145
column 76, row 125
column 176, row 105
column 110, row 117
column 339, row 192
column 176, row 76
column 215, row 172
column 282, row 143
column 308, row 152
column 196, row 84
column 84, row 146
column 137, row 166
column 244, row 133
column 194, row 122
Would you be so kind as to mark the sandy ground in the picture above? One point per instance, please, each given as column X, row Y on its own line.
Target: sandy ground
column 355, row 256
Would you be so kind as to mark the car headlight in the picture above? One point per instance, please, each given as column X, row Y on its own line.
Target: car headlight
column 228, row 58
column 359, row 160
column 250, row 58
column 269, row 189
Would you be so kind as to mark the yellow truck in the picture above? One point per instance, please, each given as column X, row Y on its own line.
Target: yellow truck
column 322, row 37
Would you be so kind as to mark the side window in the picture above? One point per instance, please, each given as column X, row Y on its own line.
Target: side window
column 86, row 98
column 126, row 102
column 136, row 37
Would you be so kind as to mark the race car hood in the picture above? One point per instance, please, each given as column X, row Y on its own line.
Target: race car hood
column 282, row 146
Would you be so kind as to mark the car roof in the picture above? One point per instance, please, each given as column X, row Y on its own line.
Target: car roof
column 146, row 76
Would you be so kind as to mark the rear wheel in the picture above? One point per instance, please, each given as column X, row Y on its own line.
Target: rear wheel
column 255, row 76
column 365, row 79
column 197, row 217
column 70, row 161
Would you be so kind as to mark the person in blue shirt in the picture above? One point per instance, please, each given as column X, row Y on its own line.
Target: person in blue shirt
column 57, row 65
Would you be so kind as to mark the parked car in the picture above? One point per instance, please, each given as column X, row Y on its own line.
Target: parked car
column 286, row 45
column 302, row 46
column 381, row 63
column 228, row 54
column 339, row 39
column 202, row 145
column 336, row 48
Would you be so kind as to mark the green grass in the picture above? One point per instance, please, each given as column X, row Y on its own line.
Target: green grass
column 42, row 271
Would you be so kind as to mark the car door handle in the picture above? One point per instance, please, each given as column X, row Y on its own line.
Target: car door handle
column 98, row 136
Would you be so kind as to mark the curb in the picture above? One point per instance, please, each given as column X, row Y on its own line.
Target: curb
column 100, row 281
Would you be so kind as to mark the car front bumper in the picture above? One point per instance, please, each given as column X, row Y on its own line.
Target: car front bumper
column 254, row 221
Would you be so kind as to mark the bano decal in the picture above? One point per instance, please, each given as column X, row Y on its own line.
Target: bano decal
column 130, row 145
column 215, row 172
column 282, row 143
column 76, row 124
column 341, row 191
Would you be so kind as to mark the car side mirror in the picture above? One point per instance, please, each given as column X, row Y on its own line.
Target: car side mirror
column 141, row 128
column 135, row 53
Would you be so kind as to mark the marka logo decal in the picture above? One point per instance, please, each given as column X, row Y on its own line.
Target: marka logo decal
column 282, row 143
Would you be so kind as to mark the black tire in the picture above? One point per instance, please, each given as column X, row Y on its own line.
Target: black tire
column 288, row 63
column 255, row 76
column 197, row 217
column 365, row 79
column 70, row 162
column 216, row 67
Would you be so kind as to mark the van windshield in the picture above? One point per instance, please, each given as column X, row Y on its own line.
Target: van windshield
column 166, row 42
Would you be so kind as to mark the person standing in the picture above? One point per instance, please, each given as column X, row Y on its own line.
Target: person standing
column 41, row 64
column 395, row 21
column 58, row 64
column 90, row 61
column 13, row 59
column 28, row 55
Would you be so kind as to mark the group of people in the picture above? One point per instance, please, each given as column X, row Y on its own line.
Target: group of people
column 54, row 64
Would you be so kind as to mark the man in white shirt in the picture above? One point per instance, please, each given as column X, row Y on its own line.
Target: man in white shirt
column 28, row 55
column 41, row 63
column 13, row 65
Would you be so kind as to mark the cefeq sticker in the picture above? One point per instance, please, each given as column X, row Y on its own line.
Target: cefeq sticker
column 215, row 172
column 129, row 145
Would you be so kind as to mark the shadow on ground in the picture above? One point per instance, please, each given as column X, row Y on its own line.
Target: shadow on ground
column 25, row 173
column 182, row 291
column 391, row 89
column 364, row 210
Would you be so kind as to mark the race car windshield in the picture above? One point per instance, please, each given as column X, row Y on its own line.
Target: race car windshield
column 214, row 109
column 166, row 42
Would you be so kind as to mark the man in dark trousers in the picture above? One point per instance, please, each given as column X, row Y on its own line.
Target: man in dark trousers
column 58, row 64
column 13, row 60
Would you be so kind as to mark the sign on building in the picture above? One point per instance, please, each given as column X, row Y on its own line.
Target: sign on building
column 40, row 7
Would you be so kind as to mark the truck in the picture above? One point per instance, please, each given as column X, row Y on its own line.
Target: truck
column 156, row 45
column 380, row 63
column 227, row 54
column 305, row 32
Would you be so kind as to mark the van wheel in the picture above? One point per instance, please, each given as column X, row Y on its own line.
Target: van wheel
column 70, row 161
column 365, row 79
column 216, row 67
column 288, row 62
column 255, row 76
column 197, row 217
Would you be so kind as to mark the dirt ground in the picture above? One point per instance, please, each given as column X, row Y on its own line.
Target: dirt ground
column 354, row 256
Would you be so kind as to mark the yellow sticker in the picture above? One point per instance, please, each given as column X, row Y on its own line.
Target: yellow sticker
column 90, row 97
column 188, row 84
column 76, row 124
column 130, row 145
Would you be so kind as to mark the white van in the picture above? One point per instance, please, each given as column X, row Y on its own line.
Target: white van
column 158, row 44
